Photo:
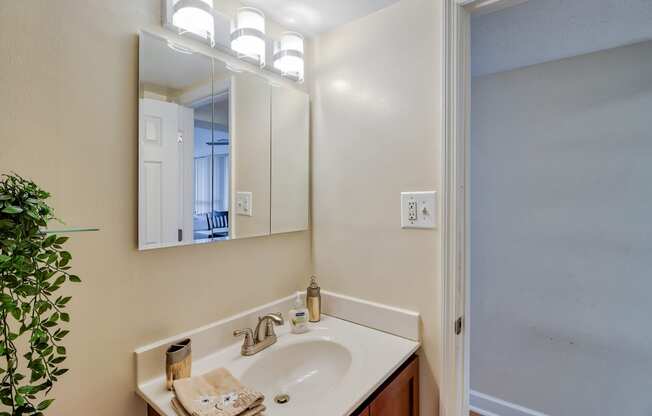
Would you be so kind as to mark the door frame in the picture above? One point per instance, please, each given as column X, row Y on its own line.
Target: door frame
column 455, row 168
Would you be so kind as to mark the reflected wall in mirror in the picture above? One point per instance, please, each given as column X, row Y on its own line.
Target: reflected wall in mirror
column 222, row 154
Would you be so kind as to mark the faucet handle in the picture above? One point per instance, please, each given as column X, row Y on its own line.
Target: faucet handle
column 248, row 334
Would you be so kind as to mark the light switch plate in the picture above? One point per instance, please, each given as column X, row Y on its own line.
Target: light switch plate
column 244, row 204
column 418, row 209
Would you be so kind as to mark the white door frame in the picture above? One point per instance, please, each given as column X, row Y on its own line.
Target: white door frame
column 456, row 86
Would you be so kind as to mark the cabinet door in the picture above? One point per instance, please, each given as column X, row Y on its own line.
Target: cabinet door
column 251, row 155
column 401, row 396
column 290, row 160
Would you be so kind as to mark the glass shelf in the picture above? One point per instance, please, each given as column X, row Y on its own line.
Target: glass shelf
column 70, row 230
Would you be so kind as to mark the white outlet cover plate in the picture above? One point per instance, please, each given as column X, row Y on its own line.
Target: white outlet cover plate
column 244, row 204
column 426, row 209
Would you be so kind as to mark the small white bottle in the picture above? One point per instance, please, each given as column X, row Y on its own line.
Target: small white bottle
column 299, row 317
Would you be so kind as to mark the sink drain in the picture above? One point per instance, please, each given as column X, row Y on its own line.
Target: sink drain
column 282, row 398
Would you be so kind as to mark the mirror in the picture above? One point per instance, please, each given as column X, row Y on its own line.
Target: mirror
column 222, row 154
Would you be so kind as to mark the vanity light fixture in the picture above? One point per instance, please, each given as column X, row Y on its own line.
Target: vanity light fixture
column 248, row 35
column 194, row 16
column 288, row 56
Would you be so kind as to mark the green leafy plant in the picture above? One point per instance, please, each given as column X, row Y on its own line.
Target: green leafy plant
column 33, row 266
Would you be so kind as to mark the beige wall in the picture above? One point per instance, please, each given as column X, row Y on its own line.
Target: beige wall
column 74, row 63
column 376, row 133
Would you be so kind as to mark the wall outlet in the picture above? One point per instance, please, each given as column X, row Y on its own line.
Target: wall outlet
column 418, row 209
column 244, row 204
column 412, row 209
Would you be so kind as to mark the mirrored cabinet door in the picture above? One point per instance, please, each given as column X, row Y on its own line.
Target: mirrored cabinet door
column 290, row 160
column 212, row 160
column 172, row 82
column 251, row 155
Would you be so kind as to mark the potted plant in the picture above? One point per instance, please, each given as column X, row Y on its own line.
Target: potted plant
column 33, row 267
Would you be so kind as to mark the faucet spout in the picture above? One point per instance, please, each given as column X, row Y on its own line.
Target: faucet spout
column 269, row 321
column 263, row 336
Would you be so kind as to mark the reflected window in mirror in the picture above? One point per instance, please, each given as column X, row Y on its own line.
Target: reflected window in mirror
column 212, row 168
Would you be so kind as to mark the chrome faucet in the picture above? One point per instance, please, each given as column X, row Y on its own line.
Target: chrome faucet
column 262, row 337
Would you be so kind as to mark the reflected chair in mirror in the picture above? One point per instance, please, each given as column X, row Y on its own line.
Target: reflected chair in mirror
column 201, row 229
column 219, row 224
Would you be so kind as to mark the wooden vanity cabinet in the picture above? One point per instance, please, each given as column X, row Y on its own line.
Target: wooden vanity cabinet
column 398, row 396
column 363, row 412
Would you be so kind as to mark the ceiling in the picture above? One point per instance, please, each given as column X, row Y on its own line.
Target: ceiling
column 162, row 66
column 312, row 17
column 165, row 67
column 542, row 31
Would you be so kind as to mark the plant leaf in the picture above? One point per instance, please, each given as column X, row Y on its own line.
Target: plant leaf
column 44, row 404
column 12, row 210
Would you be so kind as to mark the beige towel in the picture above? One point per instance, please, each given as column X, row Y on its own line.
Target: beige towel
column 216, row 393
column 256, row 411
column 178, row 408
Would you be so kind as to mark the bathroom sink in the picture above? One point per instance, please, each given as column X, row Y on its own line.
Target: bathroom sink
column 301, row 372
column 328, row 371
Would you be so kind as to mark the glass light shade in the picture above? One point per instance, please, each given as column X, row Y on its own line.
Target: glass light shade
column 248, row 35
column 288, row 55
column 195, row 17
column 250, row 18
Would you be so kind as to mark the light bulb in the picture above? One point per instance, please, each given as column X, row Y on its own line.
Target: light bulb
column 195, row 16
column 288, row 56
column 248, row 35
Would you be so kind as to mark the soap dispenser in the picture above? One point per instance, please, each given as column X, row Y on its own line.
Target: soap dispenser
column 313, row 300
column 299, row 317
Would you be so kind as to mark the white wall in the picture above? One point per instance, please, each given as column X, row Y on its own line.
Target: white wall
column 561, row 234
column 546, row 30
column 376, row 132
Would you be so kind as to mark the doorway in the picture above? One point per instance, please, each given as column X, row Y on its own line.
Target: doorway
column 557, row 155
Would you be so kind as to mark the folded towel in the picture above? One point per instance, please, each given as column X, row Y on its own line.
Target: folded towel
column 216, row 393
column 256, row 411
column 178, row 408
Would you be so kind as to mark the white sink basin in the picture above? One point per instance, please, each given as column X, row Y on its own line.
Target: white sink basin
column 328, row 371
column 304, row 371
